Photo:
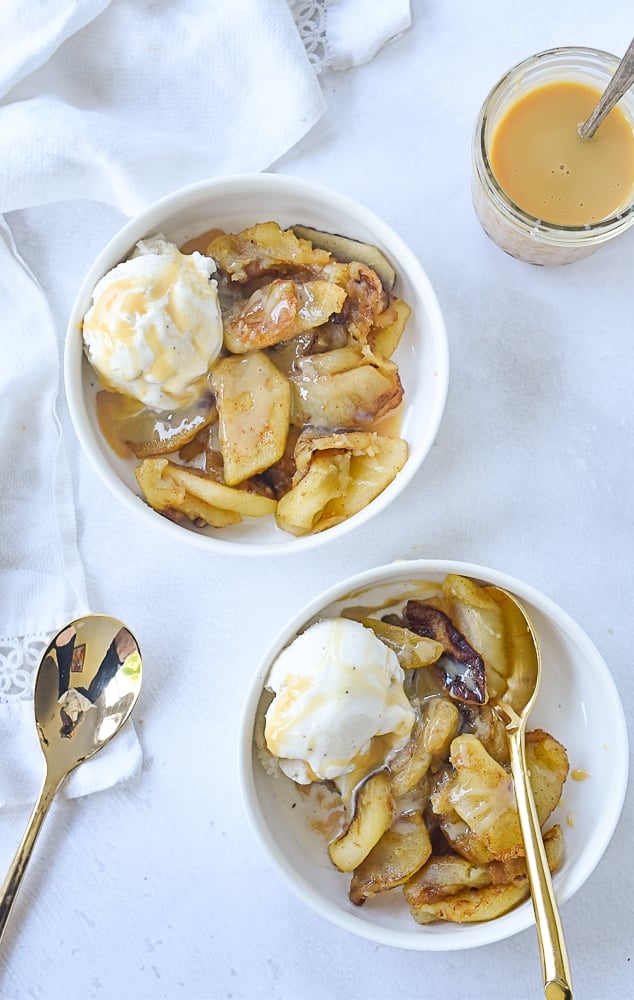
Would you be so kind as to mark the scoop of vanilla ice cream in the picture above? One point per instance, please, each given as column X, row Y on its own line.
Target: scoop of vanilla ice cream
column 154, row 328
column 336, row 687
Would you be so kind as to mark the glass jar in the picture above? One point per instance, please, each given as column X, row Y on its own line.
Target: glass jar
column 517, row 232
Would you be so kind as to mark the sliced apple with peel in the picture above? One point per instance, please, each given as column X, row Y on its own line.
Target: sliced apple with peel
column 346, row 249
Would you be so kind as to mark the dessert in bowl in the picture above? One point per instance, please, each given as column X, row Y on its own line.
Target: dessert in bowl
column 301, row 785
column 274, row 291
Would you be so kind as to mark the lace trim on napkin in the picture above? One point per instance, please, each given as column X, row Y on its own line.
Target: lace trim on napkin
column 310, row 16
column 19, row 659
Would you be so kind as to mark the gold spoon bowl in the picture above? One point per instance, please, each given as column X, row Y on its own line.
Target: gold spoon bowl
column 86, row 686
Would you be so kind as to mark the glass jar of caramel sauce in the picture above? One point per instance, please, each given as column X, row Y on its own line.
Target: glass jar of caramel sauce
column 540, row 191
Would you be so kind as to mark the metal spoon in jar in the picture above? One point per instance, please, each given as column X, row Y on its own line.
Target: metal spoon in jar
column 513, row 708
column 86, row 686
column 619, row 84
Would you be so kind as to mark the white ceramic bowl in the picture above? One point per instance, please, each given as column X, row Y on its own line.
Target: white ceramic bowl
column 232, row 204
column 577, row 703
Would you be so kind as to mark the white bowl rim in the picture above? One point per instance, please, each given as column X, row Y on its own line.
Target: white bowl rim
column 138, row 227
column 481, row 934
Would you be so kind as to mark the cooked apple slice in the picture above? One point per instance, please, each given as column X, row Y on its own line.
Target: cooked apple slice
column 280, row 311
column 346, row 249
column 337, row 475
column 373, row 815
column 264, row 248
column 254, row 400
column 342, row 388
column 388, row 328
column 172, row 489
column 399, row 854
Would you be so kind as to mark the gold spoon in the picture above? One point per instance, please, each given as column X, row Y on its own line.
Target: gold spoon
column 513, row 708
column 87, row 684
column 619, row 84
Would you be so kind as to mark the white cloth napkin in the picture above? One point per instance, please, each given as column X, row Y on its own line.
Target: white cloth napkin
column 119, row 101
column 41, row 578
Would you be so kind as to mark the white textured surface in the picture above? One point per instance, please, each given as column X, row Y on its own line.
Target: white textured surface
column 157, row 890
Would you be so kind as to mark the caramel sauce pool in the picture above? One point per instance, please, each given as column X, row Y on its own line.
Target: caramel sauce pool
column 201, row 242
column 549, row 171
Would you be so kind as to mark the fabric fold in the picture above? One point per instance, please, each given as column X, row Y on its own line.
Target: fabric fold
column 141, row 101
column 41, row 583
column 32, row 33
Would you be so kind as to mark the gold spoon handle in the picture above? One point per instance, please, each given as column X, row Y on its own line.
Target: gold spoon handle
column 13, row 879
column 550, row 935
column 618, row 85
